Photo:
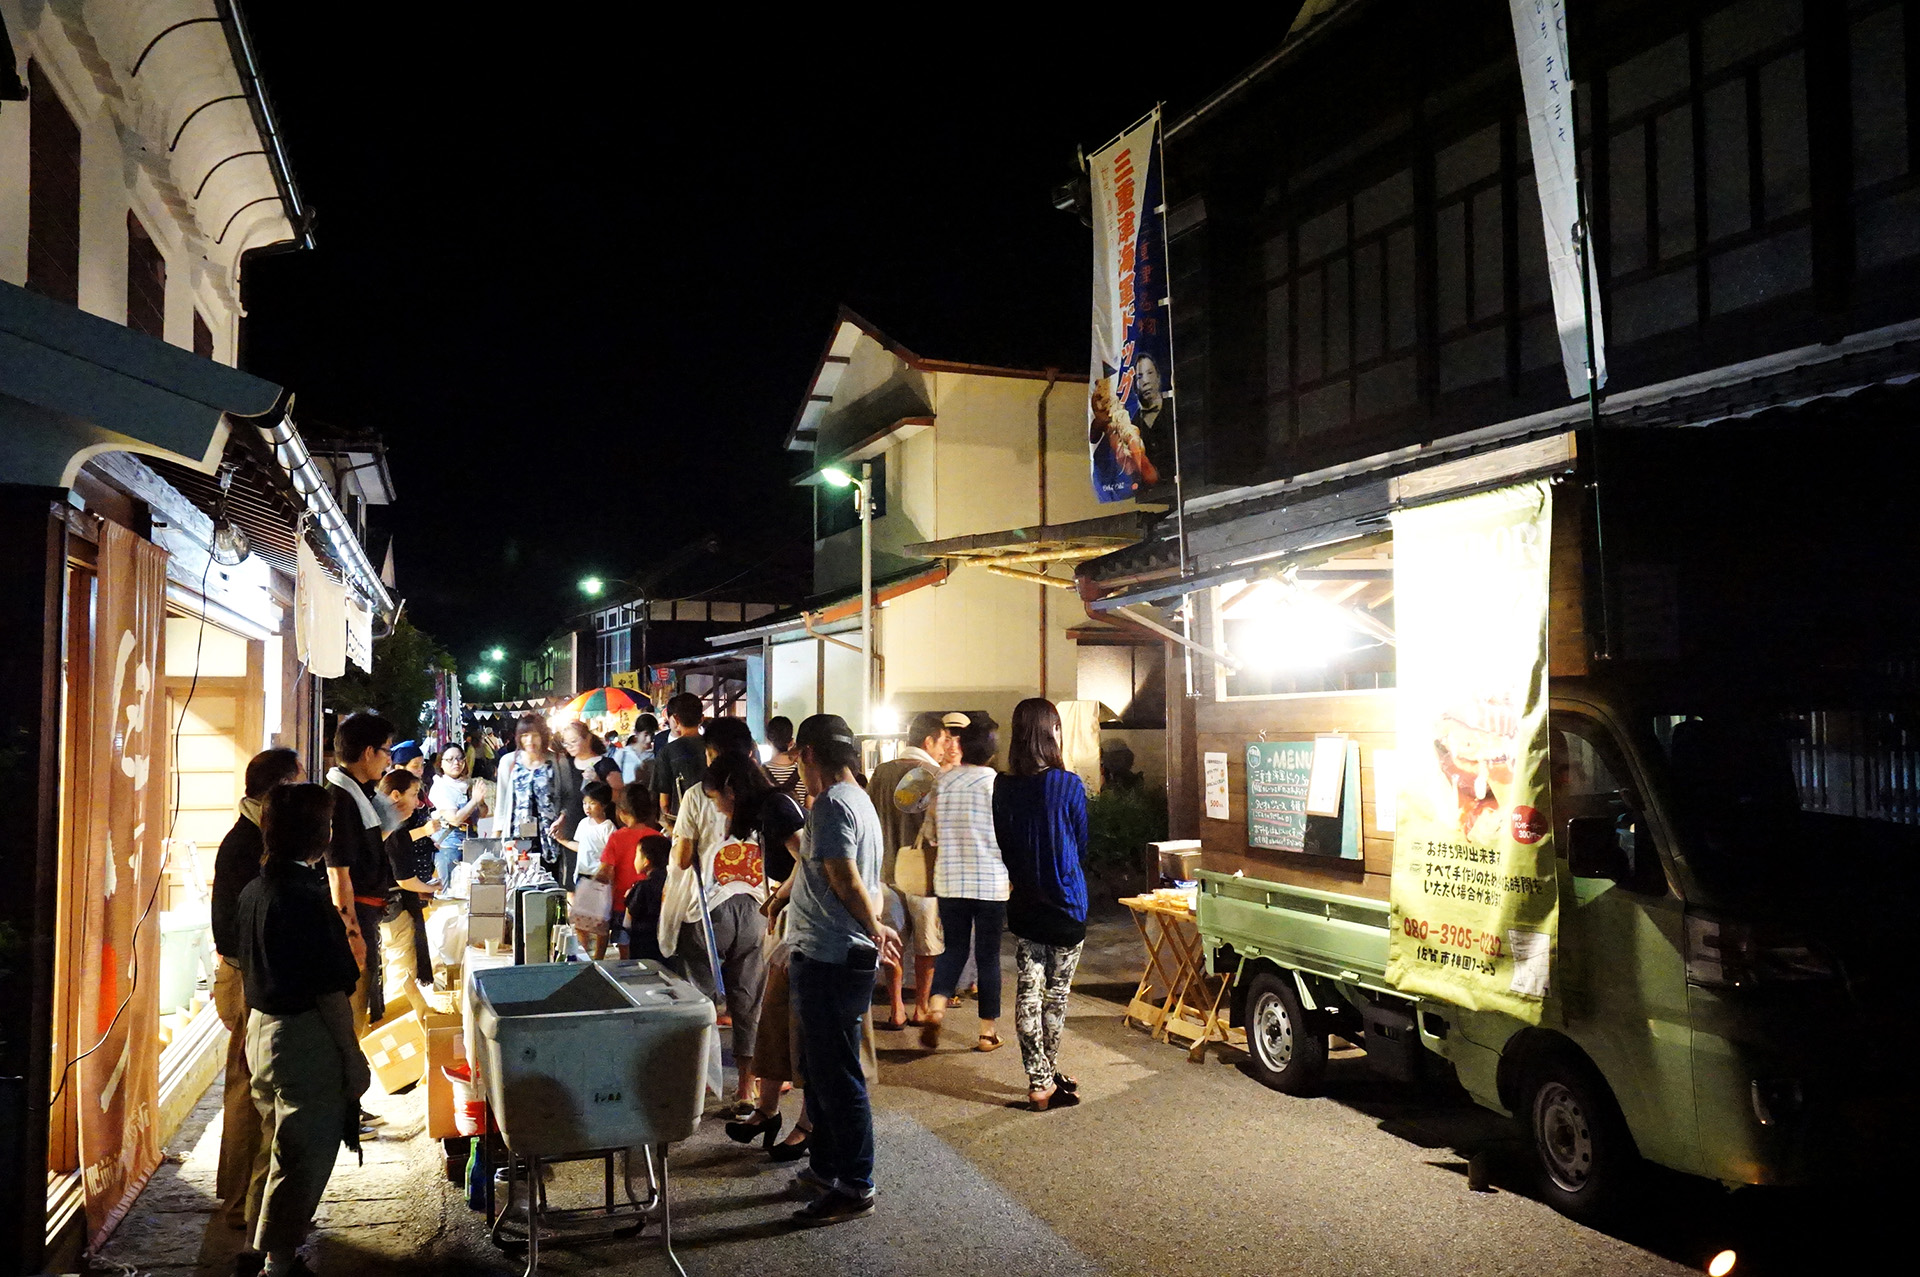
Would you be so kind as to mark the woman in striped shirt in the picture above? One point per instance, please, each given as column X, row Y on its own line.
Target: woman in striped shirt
column 970, row 879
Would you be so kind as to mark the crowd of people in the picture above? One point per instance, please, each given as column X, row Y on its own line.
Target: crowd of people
column 781, row 880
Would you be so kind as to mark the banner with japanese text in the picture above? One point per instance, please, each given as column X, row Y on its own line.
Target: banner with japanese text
column 1130, row 412
column 1475, row 900
column 1540, row 42
column 112, row 1041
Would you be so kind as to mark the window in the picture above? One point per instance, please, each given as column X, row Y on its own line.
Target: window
column 146, row 282
column 1470, row 260
column 836, row 510
column 1320, row 629
column 1709, row 186
column 1886, row 197
column 1591, row 781
column 616, row 654
column 53, row 194
column 1340, row 314
column 1128, row 679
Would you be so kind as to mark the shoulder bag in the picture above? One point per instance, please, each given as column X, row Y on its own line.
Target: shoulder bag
column 913, row 867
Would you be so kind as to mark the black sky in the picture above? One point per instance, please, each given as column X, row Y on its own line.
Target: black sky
column 581, row 268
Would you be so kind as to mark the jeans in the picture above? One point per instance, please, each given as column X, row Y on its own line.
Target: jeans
column 832, row 999
column 985, row 919
column 447, row 854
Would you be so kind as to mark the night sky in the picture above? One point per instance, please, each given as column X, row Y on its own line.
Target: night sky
column 577, row 273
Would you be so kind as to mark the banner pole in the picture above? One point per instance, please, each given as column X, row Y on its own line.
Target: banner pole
column 1583, row 237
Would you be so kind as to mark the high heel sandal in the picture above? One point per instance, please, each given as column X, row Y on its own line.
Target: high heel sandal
column 766, row 1130
column 790, row 1152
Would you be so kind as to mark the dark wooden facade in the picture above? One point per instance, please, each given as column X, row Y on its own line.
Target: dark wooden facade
column 1357, row 256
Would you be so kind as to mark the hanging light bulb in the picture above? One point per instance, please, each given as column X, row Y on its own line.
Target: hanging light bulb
column 230, row 544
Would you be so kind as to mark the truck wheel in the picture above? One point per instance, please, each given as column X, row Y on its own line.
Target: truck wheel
column 1283, row 1050
column 1586, row 1157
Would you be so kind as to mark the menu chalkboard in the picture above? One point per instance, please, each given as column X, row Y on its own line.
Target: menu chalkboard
column 1277, row 777
column 1279, row 774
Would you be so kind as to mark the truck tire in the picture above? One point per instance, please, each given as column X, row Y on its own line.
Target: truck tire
column 1284, row 1051
column 1587, row 1162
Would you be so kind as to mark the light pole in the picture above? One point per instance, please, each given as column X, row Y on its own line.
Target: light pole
column 839, row 478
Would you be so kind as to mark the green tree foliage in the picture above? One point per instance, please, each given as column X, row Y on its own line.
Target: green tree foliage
column 402, row 680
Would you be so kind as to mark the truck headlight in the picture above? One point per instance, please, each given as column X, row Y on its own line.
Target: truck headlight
column 1726, row 953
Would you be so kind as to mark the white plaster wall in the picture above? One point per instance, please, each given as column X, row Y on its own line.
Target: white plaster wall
column 112, row 177
column 794, row 675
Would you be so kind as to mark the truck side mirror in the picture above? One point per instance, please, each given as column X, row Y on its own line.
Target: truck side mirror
column 1594, row 850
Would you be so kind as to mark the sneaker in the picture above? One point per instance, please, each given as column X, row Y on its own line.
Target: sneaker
column 812, row 1180
column 833, row 1208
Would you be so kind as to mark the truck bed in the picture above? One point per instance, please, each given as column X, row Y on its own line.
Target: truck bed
column 1324, row 933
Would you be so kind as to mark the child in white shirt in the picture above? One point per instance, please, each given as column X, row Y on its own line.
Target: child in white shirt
column 588, row 842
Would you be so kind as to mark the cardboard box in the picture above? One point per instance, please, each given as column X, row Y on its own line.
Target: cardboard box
column 397, row 1052
column 486, row 931
column 445, row 1045
column 487, row 898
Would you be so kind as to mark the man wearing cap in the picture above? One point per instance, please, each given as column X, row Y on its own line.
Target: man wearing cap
column 902, row 790
column 838, row 943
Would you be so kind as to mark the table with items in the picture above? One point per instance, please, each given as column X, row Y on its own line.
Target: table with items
column 1176, row 996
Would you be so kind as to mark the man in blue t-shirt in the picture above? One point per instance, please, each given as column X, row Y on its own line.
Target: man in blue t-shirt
column 838, row 942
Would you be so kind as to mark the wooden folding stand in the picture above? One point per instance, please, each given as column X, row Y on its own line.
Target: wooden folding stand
column 1176, row 998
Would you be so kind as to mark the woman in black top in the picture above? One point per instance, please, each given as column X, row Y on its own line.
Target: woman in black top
column 308, row 1073
column 757, row 810
column 584, row 759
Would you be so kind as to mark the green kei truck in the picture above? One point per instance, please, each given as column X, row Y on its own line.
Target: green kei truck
column 1735, row 802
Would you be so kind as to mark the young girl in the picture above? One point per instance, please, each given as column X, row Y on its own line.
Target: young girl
column 588, row 842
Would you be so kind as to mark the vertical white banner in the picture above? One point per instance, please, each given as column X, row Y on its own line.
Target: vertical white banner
column 1540, row 39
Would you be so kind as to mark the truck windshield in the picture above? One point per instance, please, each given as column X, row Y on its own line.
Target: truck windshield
column 1768, row 788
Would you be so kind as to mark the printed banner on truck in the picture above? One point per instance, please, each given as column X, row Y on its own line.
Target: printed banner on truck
column 1540, row 39
column 1130, row 414
column 1474, row 894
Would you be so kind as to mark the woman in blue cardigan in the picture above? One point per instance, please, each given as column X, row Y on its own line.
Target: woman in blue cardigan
column 1040, row 820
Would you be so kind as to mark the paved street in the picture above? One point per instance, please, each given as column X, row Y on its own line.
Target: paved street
column 1167, row 1166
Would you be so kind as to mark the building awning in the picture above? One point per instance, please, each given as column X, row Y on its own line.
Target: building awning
column 1028, row 552
column 73, row 385
column 832, row 609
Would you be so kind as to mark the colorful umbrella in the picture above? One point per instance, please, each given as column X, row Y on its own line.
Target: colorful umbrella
column 603, row 700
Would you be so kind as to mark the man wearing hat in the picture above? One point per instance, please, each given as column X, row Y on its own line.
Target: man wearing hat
column 902, row 790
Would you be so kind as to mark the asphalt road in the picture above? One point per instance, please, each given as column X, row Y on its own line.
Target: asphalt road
column 1167, row 1166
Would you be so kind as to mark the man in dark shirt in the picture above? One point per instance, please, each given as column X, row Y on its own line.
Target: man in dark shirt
column 298, row 970
column 357, row 870
column 236, row 865
column 682, row 764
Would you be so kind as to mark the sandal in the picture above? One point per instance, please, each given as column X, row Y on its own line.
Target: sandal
column 892, row 1025
column 1059, row 1098
column 1071, row 1085
column 930, row 1032
column 988, row 1042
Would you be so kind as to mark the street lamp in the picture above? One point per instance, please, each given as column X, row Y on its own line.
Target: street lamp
column 496, row 654
column 838, row 477
column 481, row 678
column 592, row 586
